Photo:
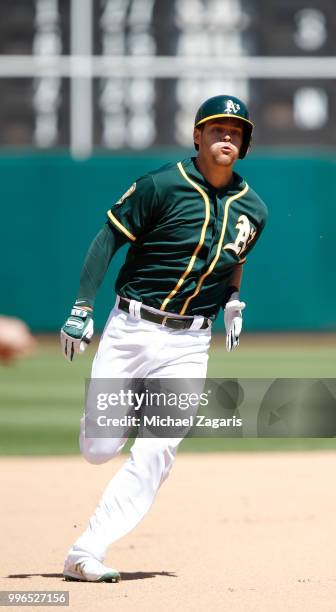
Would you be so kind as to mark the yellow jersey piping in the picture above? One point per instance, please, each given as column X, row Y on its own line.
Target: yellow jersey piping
column 121, row 227
column 219, row 247
column 201, row 240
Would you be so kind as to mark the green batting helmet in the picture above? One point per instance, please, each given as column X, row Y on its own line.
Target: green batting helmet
column 227, row 106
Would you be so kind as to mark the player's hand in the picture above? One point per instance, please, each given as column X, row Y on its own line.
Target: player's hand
column 76, row 332
column 233, row 323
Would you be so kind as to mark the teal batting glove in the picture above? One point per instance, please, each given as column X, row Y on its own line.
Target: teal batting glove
column 76, row 332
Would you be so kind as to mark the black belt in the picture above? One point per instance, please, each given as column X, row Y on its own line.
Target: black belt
column 162, row 319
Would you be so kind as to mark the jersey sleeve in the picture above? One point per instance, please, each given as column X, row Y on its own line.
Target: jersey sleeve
column 252, row 243
column 96, row 263
column 133, row 213
column 261, row 220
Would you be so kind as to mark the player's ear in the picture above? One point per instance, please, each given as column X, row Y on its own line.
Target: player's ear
column 197, row 135
column 197, row 138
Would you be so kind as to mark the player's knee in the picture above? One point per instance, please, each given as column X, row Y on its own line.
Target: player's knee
column 94, row 457
column 97, row 451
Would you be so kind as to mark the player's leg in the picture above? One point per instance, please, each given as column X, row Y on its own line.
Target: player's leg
column 99, row 450
column 131, row 492
column 122, row 353
column 127, row 498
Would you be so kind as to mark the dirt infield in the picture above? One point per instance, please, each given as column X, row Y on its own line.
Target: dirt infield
column 252, row 532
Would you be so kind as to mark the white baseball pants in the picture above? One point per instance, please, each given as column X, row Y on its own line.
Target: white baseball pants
column 131, row 347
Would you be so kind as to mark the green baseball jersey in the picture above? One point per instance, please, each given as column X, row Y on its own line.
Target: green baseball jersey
column 186, row 237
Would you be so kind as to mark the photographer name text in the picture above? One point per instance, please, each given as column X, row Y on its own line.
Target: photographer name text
column 168, row 421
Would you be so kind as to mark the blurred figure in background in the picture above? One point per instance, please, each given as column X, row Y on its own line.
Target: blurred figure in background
column 15, row 339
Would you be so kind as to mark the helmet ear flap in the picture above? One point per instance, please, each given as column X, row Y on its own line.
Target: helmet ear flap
column 249, row 146
column 247, row 142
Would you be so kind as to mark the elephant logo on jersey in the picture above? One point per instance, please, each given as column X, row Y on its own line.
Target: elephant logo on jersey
column 231, row 107
column 126, row 195
column 246, row 233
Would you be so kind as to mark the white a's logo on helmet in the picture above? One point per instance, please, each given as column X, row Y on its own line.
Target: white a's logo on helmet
column 231, row 107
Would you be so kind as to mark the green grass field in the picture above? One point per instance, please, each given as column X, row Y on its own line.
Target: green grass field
column 41, row 398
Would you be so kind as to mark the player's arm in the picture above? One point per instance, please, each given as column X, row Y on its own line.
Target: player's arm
column 77, row 331
column 127, row 220
column 235, row 280
column 233, row 308
column 96, row 263
column 232, row 305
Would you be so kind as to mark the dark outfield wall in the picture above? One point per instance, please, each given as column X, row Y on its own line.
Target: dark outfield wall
column 51, row 208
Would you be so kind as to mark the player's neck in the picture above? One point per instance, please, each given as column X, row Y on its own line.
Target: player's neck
column 217, row 176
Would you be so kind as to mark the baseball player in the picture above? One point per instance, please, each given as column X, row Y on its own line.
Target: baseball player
column 189, row 226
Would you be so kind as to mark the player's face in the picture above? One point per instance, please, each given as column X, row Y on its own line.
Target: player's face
column 220, row 140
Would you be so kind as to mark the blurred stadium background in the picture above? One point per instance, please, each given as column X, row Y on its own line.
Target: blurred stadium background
column 96, row 92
